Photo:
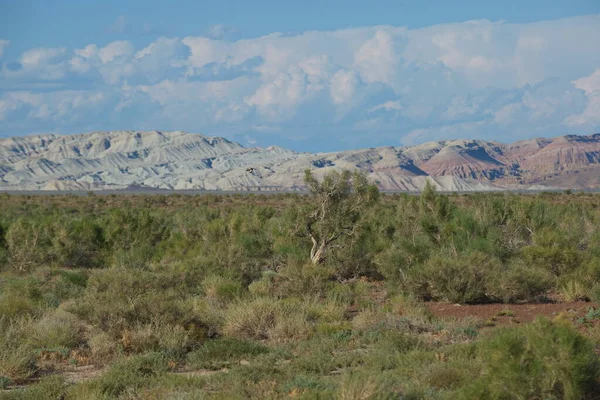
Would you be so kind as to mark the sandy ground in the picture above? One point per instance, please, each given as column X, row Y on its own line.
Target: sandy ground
column 506, row 314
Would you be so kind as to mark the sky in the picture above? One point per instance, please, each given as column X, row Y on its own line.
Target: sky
column 306, row 75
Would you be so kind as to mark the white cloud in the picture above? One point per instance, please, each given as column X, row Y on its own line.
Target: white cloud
column 279, row 98
column 378, row 59
column 38, row 64
column 205, row 51
column 41, row 57
column 119, row 61
column 344, row 84
column 115, row 50
column 505, row 80
column 388, row 106
column 162, row 59
column 53, row 106
column 590, row 116
column 589, row 84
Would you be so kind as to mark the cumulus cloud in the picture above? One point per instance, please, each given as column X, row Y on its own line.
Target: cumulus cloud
column 378, row 60
column 589, row 84
column 343, row 87
column 35, row 66
column 41, row 57
column 475, row 79
column 115, row 50
column 590, row 116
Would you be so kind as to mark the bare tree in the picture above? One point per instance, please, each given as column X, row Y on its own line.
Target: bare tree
column 339, row 200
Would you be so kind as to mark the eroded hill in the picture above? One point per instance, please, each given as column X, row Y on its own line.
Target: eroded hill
column 180, row 160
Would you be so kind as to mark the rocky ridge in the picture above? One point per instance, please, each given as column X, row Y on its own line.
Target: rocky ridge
column 179, row 160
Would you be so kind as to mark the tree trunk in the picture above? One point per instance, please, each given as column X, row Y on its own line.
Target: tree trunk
column 317, row 253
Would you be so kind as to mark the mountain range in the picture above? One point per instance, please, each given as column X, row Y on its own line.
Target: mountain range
column 179, row 160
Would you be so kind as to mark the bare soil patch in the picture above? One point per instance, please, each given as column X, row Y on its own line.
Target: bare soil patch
column 82, row 373
column 506, row 314
column 201, row 372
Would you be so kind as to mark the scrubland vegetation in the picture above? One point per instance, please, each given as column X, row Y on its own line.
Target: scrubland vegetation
column 285, row 295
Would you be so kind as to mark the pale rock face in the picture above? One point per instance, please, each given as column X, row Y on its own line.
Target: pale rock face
column 179, row 160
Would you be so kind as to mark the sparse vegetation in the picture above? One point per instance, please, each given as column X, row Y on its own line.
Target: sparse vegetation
column 207, row 296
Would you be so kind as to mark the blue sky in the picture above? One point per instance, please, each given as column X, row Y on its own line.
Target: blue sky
column 311, row 75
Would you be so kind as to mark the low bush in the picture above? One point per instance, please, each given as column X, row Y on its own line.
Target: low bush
column 126, row 376
column 521, row 282
column 17, row 363
column 553, row 251
column 545, row 359
column 221, row 291
column 251, row 320
column 103, row 347
column 28, row 242
column 47, row 388
column 303, row 279
column 279, row 320
column 458, row 279
column 56, row 329
column 116, row 300
column 173, row 340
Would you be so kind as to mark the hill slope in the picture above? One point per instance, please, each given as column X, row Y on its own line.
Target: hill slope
column 179, row 160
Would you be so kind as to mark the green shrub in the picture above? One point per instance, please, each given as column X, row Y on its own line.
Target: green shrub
column 220, row 291
column 280, row 320
column 459, row 279
column 521, row 282
column 545, row 359
column 133, row 236
column 131, row 374
column 47, row 388
column 173, row 340
column 251, row 320
column 396, row 260
column 32, row 294
column 29, row 244
column 17, row 360
column 358, row 386
column 303, row 279
column 78, row 244
column 554, row 251
column 205, row 281
column 3, row 255
column 265, row 286
column 17, row 363
column 103, row 346
column 13, row 305
column 116, row 300
column 56, row 329
column 574, row 290
column 56, row 286
column 77, row 278
column 4, row 382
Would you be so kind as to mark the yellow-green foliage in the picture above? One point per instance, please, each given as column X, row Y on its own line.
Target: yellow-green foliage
column 215, row 296
column 544, row 359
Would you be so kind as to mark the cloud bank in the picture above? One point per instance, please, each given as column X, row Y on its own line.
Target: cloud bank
column 320, row 90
